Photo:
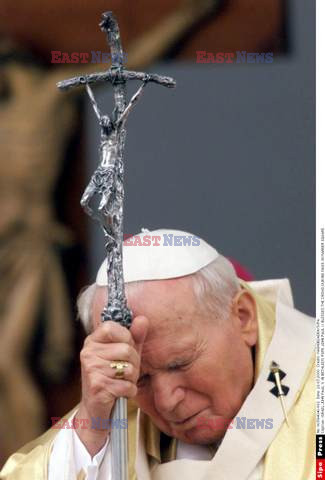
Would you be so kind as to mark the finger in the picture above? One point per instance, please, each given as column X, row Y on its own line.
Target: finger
column 103, row 388
column 124, row 388
column 129, row 373
column 111, row 352
column 111, row 331
column 105, row 368
column 139, row 330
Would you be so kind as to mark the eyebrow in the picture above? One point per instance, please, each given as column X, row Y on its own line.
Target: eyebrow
column 177, row 358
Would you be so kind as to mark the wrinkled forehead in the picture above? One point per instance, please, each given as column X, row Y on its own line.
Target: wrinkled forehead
column 166, row 303
column 160, row 349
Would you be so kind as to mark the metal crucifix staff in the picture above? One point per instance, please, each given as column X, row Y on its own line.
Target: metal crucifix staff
column 107, row 183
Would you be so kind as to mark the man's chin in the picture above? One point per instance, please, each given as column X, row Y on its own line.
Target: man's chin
column 199, row 436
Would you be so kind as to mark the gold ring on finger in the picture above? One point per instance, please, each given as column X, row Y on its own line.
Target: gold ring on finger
column 119, row 368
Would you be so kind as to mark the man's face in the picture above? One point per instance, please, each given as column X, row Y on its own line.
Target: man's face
column 196, row 370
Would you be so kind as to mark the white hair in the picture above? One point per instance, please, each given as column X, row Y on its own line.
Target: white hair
column 214, row 286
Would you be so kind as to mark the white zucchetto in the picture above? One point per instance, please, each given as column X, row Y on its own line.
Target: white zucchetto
column 161, row 254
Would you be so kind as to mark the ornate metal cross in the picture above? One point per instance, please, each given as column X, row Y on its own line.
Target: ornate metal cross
column 107, row 184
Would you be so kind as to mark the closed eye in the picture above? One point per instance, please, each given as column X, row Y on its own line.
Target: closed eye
column 177, row 366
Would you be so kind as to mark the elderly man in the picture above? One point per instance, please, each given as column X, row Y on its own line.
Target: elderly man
column 220, row 374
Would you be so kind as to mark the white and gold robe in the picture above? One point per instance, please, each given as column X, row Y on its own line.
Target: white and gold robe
column 287, row 337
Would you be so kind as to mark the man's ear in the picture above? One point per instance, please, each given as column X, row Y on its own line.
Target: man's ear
column 245, row 311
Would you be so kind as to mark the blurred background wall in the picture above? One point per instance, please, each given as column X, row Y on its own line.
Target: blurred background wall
column 228, row 155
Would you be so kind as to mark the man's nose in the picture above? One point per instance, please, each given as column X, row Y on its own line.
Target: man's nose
column 167, row 392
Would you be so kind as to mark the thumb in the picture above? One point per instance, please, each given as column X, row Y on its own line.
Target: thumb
column 139, row 330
